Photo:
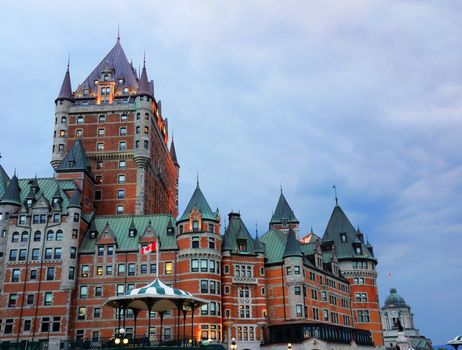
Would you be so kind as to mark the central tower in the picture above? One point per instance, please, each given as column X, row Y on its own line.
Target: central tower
column 119, row 122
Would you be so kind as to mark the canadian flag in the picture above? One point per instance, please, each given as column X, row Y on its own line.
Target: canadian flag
column 149, row 248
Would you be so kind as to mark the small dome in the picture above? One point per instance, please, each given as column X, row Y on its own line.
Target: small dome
column 394, row 299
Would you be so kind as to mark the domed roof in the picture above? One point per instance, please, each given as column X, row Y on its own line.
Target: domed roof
column 394, row 299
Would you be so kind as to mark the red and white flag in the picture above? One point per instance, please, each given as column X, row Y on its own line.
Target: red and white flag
column 149, row 248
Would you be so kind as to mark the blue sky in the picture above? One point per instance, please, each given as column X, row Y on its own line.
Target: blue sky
column 363, row 94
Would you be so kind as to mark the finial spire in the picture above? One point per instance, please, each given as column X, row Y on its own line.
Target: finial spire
column 256, row 228
column 335, row 191
column 144, row 59
column 197, row 179
column 118, row 32
column 68, row 61
column 280, row 185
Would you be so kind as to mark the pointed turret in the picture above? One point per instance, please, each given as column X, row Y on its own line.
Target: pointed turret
column 144, row 88
column 283, row 214
column 198, row 201
column 292, row 246
column 66, row 90
column 74, row 202
column 75, row 160
column 173, row 154
column 4, row 179
column 258, row 246
column 12, row 192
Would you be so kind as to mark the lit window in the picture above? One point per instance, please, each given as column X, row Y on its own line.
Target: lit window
column 168, row 268
column 78, row 133
column 62, row 133
column 63, row 120
column 120, row 209
column 123, row 118
column 146, row 130
column 126, row 91
column 122, row 164
column 121, row 179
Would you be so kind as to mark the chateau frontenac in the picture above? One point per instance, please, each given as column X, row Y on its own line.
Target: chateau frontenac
column 71, row 241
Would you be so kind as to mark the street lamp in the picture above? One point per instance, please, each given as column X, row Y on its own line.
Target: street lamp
column 120, row 337
column 289, row 346
column 233, row 344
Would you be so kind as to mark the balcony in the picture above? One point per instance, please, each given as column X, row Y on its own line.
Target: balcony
column 245, row 280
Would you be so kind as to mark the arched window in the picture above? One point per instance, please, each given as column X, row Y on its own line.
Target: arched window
column 15, row 237
column 25, row 236
column 195, row 226
column 50, row 235
column 37, row 236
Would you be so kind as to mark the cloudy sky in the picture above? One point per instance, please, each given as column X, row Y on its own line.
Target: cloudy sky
column 363, row 94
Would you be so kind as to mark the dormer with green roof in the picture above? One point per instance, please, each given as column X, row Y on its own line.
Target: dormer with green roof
column 237, row 239
column 283, row 217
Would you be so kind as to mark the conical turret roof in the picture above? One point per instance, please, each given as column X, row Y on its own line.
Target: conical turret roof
column 12, row 192
column 144, row 88
column 198, row 201
column 76, row 159
column 292, row 245
column 173, row 154
column 283, row 212
column 258, row 246
column 66, row 89
column 4, row 179
column 75, row 200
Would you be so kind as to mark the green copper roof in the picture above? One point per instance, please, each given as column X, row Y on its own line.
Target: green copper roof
column 275, row 243
column 394, row 299
column 198, row 201
column 283, row 212
column 120, row 225
column 47, row 187
column 258, row 246
column 4, row 179
column 76, row 159
column 340, row 225
column 236, row 231
column 292, row 247
column 12, row 192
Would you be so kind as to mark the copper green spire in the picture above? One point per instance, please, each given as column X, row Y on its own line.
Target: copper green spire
column 283, row 212
column 198, row 201
column 12, row 192
column 292, row 245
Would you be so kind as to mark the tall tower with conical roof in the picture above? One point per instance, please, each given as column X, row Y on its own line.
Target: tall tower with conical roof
column 357, row 264
column 119, row 123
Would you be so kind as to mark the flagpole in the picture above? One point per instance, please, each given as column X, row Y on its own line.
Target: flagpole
column 157, row 257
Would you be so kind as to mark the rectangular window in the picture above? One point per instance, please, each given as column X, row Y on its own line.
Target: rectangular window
column 99, row 164
column 153, row 268
column 48, row 253
column 45, row 327
column 56, row 217
column 98, row 291
column 50, row 273
column 33, row 275
column 48, row 299
column 13, row 254
column 27, row 325
column 212, row 266
column 122, row 164
column 297, row 290
column 120, row 289
column 96, row 312
column 8, row 326
column 83, row 292
column 121, row 269
column 119, row 209
column 122, row 146
column 168, row 268
column 73, row 252
column 101, row 119
column 76, row 217
column 323, row 296
column 297, row 270
column 143, row 269
column 12, row 300
column 84, row 271
column 123, row 131
column 15, row 275
column 22, row 254
column 80, row 119
column 22, row 219
column 35, row 254
column 203, row 265
column 326, row 314
column 124, row 117
column 110, row 250
column 298, row 310
column 120, row 194
column 57, row 254
column 194, row 265
column 71, row 274
column 195, row 242
column 100, row 146
column 211, row 243
column 108, row 270
column 363, row 316
column 204, row 286
column 121, row 179
column 82, row 313
column 131, row 269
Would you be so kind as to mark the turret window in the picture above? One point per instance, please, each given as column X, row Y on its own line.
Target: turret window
column 122, row 146
column 146, row 129
column 120, row 209
column 78, row 133
column 242, row 243
column 63, row 120
column 123, row 131
column 62, row 133
column 100, row 146
column 121, row 179
column 146, row 144
column 137, row 129
column 298, row 310
column 122, row 164
column 61, row 147
column 101, row 118
column 120, row 194
column 211, row 243
column 101, row 132
column 195, row 226
column 123, row 118
column 343, row 237
column 297, row 290
column 297, row 270
column 194, row 265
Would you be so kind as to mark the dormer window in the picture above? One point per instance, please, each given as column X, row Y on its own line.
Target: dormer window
column 357, row 248
column 106, row 77
column 284, row 222
column 85, row 92
column 126, row 91
column 242, row 244
column 170, row 231
column 132, row 232
column 121, row 81
column 343, row 237
column 92, row 234
column 71, row 163
column 29, row 202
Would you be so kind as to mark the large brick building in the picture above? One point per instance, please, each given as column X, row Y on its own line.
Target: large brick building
column 71, row 241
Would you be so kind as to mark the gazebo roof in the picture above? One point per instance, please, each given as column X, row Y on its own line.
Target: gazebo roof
column 156, row 296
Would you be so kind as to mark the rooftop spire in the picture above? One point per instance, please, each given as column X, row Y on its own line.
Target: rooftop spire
column 335, row 191
column 144, row 87
column 118, row 32
column 173, row 154
column 11, row 194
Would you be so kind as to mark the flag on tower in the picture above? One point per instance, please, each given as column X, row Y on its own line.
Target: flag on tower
column 149, row 248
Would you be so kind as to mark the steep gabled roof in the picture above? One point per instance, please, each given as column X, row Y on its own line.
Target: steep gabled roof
column 66, row 89
column 339, row 225
column 235, row 231
column 117, row 60
column 292, row 247
column 75, row 160
column 283, row 212
column 198, row 201
column 12, row 192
